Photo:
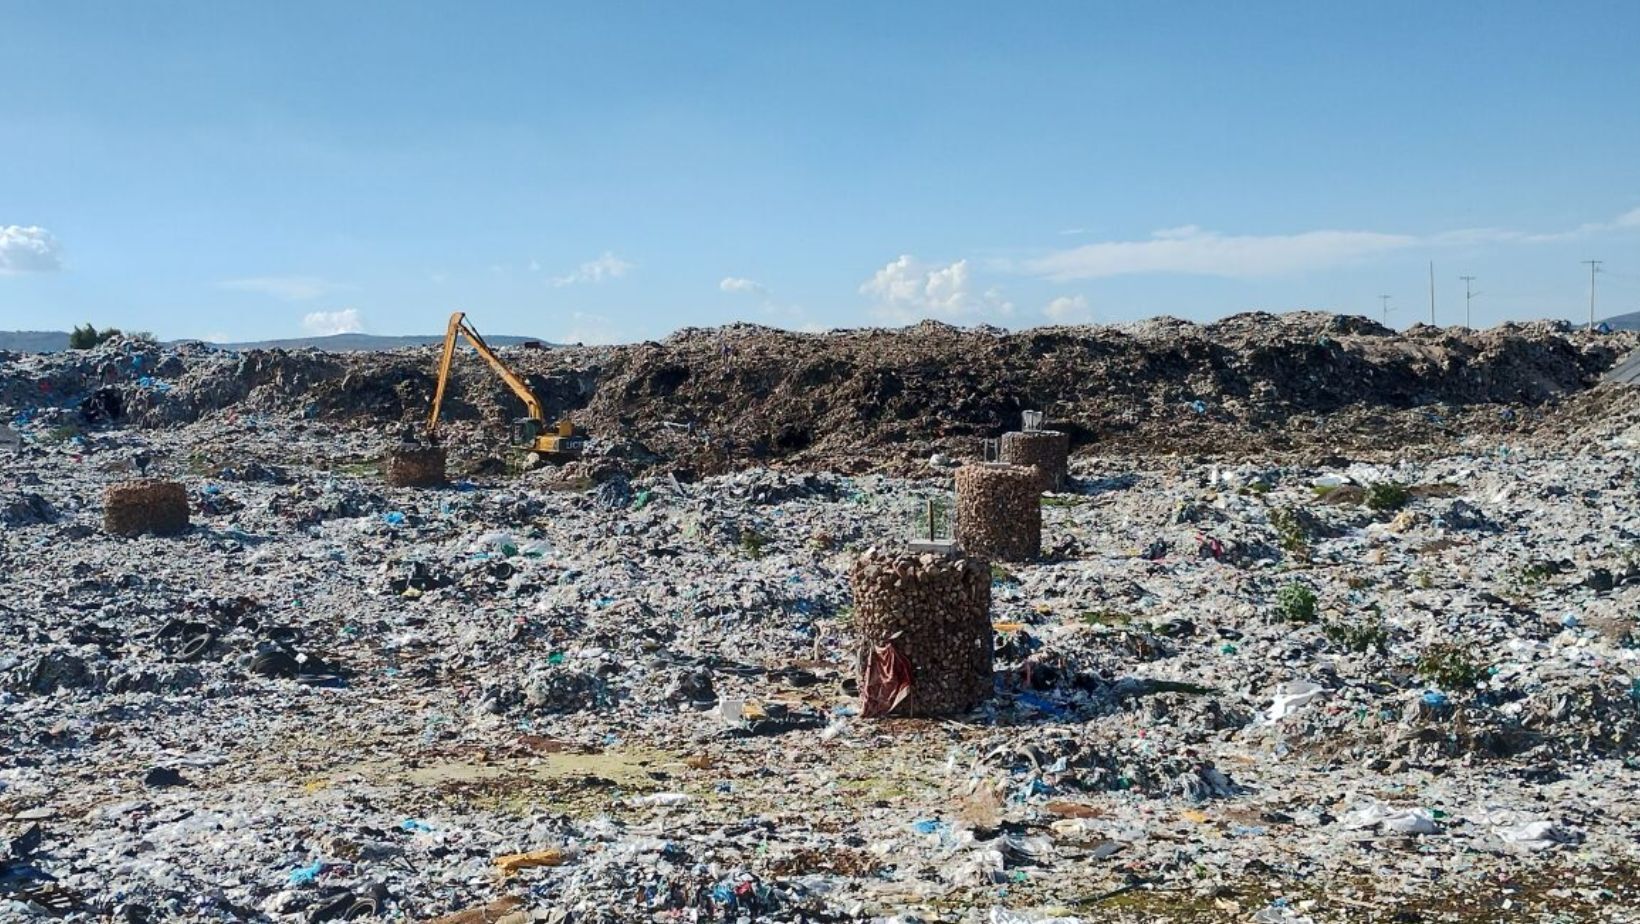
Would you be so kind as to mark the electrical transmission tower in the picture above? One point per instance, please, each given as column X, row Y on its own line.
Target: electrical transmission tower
column 1594, row 267
column 1467, row 295
column 1432, row 293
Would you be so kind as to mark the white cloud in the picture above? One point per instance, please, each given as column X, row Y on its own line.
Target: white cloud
column 774, row 312
column 28, row 250
column 1192, row 250
column 326, row 323
column 906, row 290
column 605, row 267
column 289, row 288
column 737, row 284
column 1069, row 309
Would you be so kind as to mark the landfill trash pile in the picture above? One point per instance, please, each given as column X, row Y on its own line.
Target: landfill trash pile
column 720, row 399
column 1359, row 688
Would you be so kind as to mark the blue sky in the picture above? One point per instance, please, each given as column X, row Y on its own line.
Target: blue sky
column 615, row 171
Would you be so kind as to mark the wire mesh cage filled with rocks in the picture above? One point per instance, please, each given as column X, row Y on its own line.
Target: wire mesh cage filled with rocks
column 416, row 466
column 999, row 511
column 148, row 505
column 1048, row 451
column 924, row 625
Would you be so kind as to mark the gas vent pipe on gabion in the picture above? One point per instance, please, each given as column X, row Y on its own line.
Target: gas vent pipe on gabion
column 999, row 511
column 924, row 624
column 416, row 466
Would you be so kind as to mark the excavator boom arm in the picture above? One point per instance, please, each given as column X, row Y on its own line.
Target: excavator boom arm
column 460, row 327
column 445, row 360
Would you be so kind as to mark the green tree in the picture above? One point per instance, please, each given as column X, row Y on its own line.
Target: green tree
column 88, row 336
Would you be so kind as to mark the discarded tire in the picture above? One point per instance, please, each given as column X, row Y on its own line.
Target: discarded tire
column 1048, row 451
column 924, row 624
column 999, row 511
column 149, row 505
column 416, row 466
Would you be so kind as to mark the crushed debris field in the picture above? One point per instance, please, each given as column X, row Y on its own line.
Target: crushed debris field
column 1330, row 623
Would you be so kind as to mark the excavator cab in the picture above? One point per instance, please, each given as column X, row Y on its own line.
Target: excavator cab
column 525, row 430
column 564, row 440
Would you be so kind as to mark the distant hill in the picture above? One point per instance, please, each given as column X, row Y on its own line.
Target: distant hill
column 1630, row 321
column 33, row 341
column 363, row 343
column 51, row 341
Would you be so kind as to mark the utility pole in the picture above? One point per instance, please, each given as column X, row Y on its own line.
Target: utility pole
column 1467, row 295
column 1432, row 292
column 1594, row 267
column 1384, row 300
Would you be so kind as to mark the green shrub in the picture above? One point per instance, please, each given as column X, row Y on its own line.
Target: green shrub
column 1449, row 667
column 1291, row 530
column 1536, row 572
column 1106, row 618
column 1296, row 603
column 1369, row 634
column 753, row 542
column 1387, row 495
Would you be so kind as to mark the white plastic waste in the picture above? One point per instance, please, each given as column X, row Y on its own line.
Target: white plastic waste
column 1532, row 836
column 1004, row 916
column 1291, row 697
column 661, row 798
column 1391, row 820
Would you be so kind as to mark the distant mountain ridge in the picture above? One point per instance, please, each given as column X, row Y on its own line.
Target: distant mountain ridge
column 33, row 341
column 365, row 343
column 1630, row 321
column 41, row 341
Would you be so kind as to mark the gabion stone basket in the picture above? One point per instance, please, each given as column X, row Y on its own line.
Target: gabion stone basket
column 924, row 624
column 147, row 505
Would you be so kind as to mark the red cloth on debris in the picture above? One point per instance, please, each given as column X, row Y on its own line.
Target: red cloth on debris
column 887, row 681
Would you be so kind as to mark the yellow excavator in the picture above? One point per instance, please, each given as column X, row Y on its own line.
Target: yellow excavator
column 561, row 440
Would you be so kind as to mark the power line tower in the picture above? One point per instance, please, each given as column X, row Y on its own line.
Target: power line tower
column 1432, row 293
column 1383, row 300
column 1594, row 267
column 1467, row 295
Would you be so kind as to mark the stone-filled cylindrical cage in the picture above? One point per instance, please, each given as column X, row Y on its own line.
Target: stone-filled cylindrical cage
column 1048, row 451
column 147, row 505
column 934, row 610
column 999, row 511
column 416, row 466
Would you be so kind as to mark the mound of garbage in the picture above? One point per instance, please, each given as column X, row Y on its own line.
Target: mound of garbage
column 722, row 398
column 1360, row 685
